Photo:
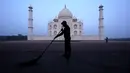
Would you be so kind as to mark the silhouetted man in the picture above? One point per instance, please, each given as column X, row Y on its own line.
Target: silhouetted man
column 106, row 39
column 66, row 32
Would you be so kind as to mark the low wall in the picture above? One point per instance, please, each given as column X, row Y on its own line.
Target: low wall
column 93, row 37
column 42, row 38
column 90, row 37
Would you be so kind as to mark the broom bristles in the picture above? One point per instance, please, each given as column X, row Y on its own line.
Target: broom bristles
column 32, row 62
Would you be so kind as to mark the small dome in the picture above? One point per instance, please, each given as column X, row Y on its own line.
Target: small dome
column 74, row 17
column 65, row 13
column 30, row 7
column 101, row 6
column 55, row 19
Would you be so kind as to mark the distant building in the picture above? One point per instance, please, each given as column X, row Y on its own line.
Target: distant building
column 75, row 24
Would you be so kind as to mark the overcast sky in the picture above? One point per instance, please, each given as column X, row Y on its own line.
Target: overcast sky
column 14, row 15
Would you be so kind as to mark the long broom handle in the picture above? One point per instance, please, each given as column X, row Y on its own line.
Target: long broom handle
column 48, row 46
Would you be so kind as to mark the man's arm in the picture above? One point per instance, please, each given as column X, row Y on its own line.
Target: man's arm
column 62, row 32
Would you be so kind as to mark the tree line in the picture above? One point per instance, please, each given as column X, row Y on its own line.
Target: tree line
column 13, row 37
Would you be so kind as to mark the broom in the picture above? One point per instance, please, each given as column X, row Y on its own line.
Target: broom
column 35, row 60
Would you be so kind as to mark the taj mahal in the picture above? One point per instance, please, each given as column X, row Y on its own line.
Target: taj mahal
column 76, row 26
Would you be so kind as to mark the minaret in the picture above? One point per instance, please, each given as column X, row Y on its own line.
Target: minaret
column 101, row 27
column 30, row 23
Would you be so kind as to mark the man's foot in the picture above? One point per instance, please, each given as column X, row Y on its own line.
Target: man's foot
column 67, row 56
column 64, row 55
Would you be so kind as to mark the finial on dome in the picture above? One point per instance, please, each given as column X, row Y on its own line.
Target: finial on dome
column 65, row 5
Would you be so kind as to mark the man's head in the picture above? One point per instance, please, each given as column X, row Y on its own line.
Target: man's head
column 64, row 23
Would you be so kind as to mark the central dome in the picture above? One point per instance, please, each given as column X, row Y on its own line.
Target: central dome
column 65, row 13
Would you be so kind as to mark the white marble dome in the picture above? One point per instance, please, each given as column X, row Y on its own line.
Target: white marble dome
column 65, row 13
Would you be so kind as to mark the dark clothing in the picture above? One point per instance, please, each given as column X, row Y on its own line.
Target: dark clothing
column 68, row 47
column 67, row 37
column 66, row 32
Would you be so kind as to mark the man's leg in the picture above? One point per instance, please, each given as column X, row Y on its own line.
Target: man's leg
column 69, row 47
column 65, row 52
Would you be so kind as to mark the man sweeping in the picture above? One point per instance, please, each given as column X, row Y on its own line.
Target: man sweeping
column 66, row 32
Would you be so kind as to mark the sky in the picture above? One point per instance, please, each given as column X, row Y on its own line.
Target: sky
column 14, row 16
